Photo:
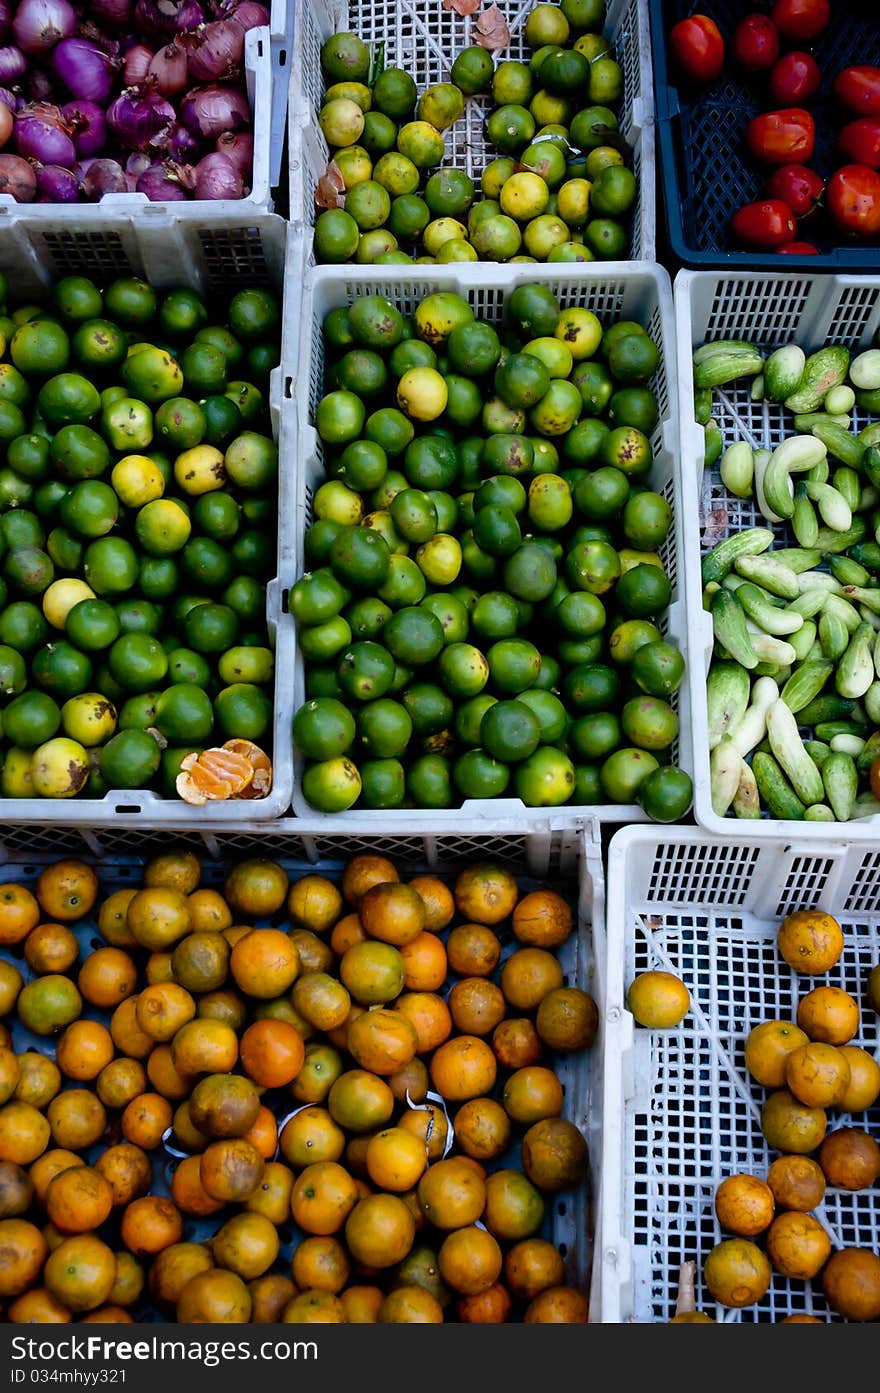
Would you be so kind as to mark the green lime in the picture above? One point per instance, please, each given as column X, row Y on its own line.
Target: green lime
column 545, row 779
column 549, row 711
column 211, row 628
column 137, row 662
column 13, row 672
column 186, row 666
column 395, row 93
column 90, row 509
column 366, row 670
column 666, row 794
column 624, row 771
column 130, row 301
column 181, row 423
column 138, row 616
column 384, row 728
column 591, row 687
column 495, row 615
column 31, row 719
column 389, row 428
column 449, row 193
column 28, row 455
column 414, row 515
column 601, row 494
column 413, row 636
column 130, row 759
column 642, row 591
column 649, row 723
column 379, row 134
column 592, row 127
column 40, row 347
column 429, row 782
column 253, row 314
column 463, row 669
column 206, row 564
column 366, row 617
column 243, row 711
column 217, row 515
column 513, row 664
column 244, row 595
column 345, row 58
column 510, row 731
column 628, row 637
column 110, row 566
column 336, row 236
column 592, row 566
column 360, row 558
column 658, row 668
column 184, row 714
column 606, row 238
column 530, row 573
column 384, row 783
column 323, row 729
column 92, row 625
column 223, row 420
column 76, row 298
column 316, row 597
column 88, row 718
column 29, row 570
column 430, row 709
column 634, row 406
column 594, row 735
column 332, row 785
column 405, row 584
column 139, row 712
column 126, row 423
column 22, row 626
column 472, row 70
column 477, row 775
column 510, row 128
column 65, row 549
column 182, row 311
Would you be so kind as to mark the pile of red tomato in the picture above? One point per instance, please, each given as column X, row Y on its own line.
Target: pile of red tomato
column 782, row 140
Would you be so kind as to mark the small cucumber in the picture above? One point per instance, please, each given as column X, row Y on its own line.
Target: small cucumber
column 819, row 812
column 866, row 554
column 713, row 443
column 737, row 469
column 864, row 370
column 841, row 781
column 746, row 800
column 728, row 688
column 830, row 540
column 828, row 707
column 770, row 573
column 788, row 749
column 776, row 792
column 805, row 684
column 724, row 775
column 804, row 523
column 717, row 562
column 750, row 731
column 848, row 745
column 783, row 372
column 798, row 559
column 822, row 371
column 804, row 640
column 833, row 636
column 828, row 730
column 762, row 611
column 869, row 752
column 848, row 571
column 839, row 442
column 818, row 751
column 731, row 632
column 703, row 405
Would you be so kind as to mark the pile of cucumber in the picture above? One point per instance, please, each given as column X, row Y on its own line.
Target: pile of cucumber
column 793, row 688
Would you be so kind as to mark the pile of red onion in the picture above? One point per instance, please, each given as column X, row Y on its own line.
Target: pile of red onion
column 121, row 96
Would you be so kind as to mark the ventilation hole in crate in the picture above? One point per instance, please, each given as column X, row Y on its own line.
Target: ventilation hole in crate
column 804, row 884
column 232, row 254
column 96, row 254
column 713, row 871
column 864, row 893
column 856, row 305
column 756, row 311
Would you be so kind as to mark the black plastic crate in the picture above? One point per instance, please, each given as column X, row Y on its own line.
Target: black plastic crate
column 706, row 171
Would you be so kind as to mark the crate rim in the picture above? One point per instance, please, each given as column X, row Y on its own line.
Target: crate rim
column 498, row 276
column 864, row 829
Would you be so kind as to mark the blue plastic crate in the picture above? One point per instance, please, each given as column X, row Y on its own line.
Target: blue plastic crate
column 705, row 168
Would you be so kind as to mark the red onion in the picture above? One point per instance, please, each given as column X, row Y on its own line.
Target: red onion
column 217, row 177
column 169, row 68
column 13, row 64
column 116, row 13
column 215, row 51
column 10, row 99
column 5, row 18
column 40, row 24
column 138, row 116
column 102, row 176
column 41, row 134
column 250, row 15
column 84, row 70
column 56, row 185
column 189, row 16
column 161, row 184
column 180, row 145
column 162, row 19
column 89, row 129
column 209, row 111
column 137, row 64
column 238, row 146
column 134, row 168
column 17, row 178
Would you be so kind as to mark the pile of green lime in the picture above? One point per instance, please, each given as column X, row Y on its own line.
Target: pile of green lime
column 137, row 524
column 560, row 188
column 481, row 613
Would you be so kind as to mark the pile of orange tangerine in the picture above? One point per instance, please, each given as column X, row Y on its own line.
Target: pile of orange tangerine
column 370, row 1062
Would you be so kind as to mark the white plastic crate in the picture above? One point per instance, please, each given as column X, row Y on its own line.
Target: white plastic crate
column 424, row 38
column 281, row 40
column 613, row 290
column 681, row 1112
column 266, row 81
column 216, row 261
column 570, row 1216
column 769, row 310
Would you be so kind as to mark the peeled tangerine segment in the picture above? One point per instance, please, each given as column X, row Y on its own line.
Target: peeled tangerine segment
column 238, row 769
column 214, row 774
column 261, row 764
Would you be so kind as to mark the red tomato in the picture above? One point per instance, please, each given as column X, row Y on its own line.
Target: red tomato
column 859, row 89
column 782, row 137
column 798, row 249
column 767, row 224
column 795, row 78
column 854, row 199
column 801, row 20
column 801, row 188
column 755, row 43
column 698, row 48
column 859, row 142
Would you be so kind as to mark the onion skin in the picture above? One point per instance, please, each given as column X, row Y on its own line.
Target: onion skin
column 17, row 178
column 103, row 176
column 160, row 185
column 88, row 127
column 40, row 24
column 239, row 147
column 55, row 184
column 211, row 110
column 137, row 64
column 217, row 178
column 215, row 51
column 168, row 67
